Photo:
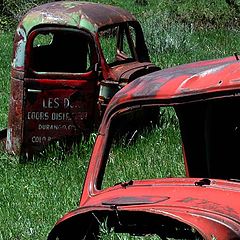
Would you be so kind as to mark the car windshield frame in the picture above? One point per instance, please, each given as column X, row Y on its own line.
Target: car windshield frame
column 106, row 135
column 138, row 48
column 46, row 29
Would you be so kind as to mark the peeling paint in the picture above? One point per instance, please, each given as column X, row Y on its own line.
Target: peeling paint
column 41, row 90
column 18, row 60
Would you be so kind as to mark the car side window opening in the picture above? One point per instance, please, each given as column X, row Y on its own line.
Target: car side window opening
column 145, row 148
column 63, row 51
column 118, row 44
column 211, row 136
column 209, row 131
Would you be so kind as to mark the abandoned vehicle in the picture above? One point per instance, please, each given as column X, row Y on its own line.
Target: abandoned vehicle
column 69, row 59
column 200, row 203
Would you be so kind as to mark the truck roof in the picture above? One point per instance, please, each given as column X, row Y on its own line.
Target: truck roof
column 91, row 16
column 184, row 83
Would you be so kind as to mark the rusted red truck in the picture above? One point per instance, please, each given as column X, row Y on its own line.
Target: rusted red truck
column 205, row 205
column 69, row 59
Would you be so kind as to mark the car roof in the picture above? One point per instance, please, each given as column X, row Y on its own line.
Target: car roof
column 74, row 14
column 91, row 16
column 184, row 83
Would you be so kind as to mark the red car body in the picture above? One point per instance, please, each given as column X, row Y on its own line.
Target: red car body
column 205, row 204
column 63, row 74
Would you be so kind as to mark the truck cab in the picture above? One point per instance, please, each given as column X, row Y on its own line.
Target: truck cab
column 69, row 59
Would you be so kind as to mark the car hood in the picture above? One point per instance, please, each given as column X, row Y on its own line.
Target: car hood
column 125, row 73
column 209, row 206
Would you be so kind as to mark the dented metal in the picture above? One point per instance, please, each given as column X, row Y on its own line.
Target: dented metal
column 60, row 79
column 204, row 204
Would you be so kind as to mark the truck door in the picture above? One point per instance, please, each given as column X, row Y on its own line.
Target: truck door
column 60, row 86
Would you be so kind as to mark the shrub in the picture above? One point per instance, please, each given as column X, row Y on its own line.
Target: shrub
column 12, row 11
column 204, row 13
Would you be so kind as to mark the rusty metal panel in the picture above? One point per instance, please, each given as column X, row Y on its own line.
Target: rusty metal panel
column 81, row 15
column 57, row 113
column 178, row 208
column 15, row 117
column 42, row 113
column 91, row 16
column 51, row 99
column 123, row 74
column 128, row 72
column 55, row 98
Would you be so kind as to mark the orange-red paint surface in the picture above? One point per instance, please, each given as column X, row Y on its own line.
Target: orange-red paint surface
column 210, row 206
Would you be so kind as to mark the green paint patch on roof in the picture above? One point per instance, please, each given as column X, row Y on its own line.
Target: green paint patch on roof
column 90, row 16
column 88, row 25
column 75, row 19
column 31, row 20
column 70, row 4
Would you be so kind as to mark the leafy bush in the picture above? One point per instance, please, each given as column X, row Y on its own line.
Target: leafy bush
column 203, row 13
column 12, row 11
column 4, row 22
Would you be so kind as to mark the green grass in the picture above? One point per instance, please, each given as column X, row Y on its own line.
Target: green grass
column 155, row 153
column 6, row 42
column 34, row 195
column 176, row 43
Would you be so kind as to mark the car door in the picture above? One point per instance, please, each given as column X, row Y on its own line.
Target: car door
column 60, row 86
